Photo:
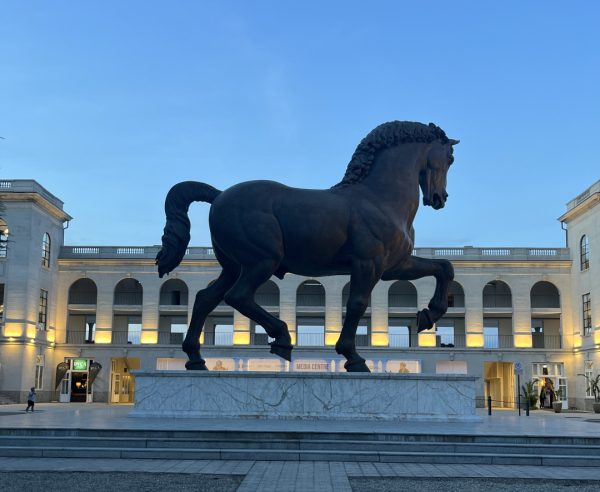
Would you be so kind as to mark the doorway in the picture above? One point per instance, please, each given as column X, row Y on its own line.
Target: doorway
column 499, row 383
column 122, row 381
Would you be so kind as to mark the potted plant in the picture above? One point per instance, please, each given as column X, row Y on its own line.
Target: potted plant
column 594, row 386
column 529, row 393
column 557, row 404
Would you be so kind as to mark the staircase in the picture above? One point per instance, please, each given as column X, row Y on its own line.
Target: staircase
column 300, row 446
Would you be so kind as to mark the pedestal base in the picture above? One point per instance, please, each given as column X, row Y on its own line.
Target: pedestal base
column 304, row 395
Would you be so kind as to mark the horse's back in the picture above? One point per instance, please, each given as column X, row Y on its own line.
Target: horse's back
column 301, row 226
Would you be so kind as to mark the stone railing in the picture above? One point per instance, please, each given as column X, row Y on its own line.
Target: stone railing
column 595, row 188
column 28, row 186
column 203, row 253
column 141, row 252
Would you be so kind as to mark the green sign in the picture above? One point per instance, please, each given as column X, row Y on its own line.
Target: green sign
column 80, row 364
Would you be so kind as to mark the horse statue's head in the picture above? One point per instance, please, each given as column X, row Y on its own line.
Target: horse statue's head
column 432, row 178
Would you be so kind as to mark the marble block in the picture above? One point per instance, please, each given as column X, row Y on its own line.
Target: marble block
column 304, row 395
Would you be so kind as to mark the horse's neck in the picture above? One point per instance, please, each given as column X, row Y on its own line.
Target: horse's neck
column 395, row 175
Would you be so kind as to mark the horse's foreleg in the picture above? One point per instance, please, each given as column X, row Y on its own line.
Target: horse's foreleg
column 363, row 279
column 415, row 267
column 206, row 300
column 241, row 297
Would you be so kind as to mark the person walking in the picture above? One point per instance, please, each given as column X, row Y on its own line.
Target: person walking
column 542, row 398
column 31, row 400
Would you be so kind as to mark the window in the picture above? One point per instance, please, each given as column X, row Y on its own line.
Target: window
column 362, row 336
column 43, row 311
column 587, row 314
column 134, row 330
column 3, row 239
column 260, row 336
column 584, row 253
column 445, row 333
column 399, row 336
column 537, row 333
column 46, row 250
column 90, row 329
column 313, row 336
column 1, row 303
column 223, row 334
column 39, row 372
column 589, row 375
column 490, row 335
column 178, row 331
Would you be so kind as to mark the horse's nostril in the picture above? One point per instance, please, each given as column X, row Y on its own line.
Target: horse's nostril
column 445, row 196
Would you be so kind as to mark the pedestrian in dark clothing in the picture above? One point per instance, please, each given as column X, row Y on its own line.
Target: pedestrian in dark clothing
column 31, row 400
column 542, row 398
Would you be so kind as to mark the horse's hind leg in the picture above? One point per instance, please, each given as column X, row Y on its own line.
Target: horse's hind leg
column 363, row 279
column 206, row 300
column 241, row 297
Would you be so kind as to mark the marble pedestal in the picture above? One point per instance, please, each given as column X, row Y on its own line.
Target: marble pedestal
column 304, row 395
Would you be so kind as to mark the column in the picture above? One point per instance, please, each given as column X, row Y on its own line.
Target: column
column 425, row 289
column 473, row 289
column 521, row 302
column 287, row 303
column 104, row 310
column 150, row 312
column 333, row 307
column 241, row 329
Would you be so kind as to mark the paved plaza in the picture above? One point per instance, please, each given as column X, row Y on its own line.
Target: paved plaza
column 103, row 416
column 249, row 475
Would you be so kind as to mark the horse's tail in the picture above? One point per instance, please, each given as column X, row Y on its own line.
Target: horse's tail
column 177, row 230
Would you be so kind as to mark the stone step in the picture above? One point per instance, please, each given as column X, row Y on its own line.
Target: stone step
column 132, row 443
column 300, row 436
column 299, row 455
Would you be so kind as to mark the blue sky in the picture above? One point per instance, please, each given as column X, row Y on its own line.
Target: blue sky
column 108, row 104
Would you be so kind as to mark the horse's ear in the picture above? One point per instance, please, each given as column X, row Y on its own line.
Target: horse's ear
column 453, row 142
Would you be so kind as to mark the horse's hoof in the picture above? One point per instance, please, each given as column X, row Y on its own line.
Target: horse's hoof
column 283, row 351
column 196, row 365
column 358, row 365
column 424, row 321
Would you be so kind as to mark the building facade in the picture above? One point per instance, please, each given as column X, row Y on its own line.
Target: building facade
column 75, row 320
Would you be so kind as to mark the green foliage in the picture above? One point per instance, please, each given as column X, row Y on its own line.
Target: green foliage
column 594, row 386
column 529, row 393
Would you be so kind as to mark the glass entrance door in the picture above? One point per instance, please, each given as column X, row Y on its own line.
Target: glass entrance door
column 65, row 389
column 79, row 387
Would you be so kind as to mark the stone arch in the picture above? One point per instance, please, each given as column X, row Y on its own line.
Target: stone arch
column 267, row 294
column 402, row 293
column 545, row 294
column 310, row 293
column 456, row 295
column 128, row 292
column 497, row 294
column 173, row 292
column 83, row 291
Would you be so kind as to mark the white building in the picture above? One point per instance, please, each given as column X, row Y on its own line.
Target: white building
column 88, row 305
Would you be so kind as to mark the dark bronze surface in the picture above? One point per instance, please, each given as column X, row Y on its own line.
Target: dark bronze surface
column 360, row 227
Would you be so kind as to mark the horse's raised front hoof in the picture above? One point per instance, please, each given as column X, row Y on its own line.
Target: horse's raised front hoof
column 424, row 321
column 283, row 351
column 358, row 365
column 196, row 365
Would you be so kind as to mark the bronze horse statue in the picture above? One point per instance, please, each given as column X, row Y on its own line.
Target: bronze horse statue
column 360, row 227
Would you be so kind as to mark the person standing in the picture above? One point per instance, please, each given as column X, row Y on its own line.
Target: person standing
column 31, row 400
column 542, row 398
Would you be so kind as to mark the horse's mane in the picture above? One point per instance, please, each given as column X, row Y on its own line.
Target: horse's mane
column 384, row 136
